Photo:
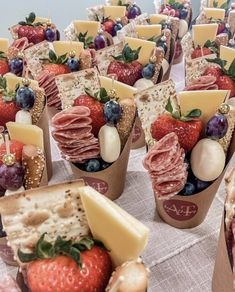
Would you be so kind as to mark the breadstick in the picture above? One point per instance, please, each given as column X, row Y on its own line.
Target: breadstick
column 39, row 105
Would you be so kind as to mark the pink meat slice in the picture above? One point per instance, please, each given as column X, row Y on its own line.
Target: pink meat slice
column 203, row 83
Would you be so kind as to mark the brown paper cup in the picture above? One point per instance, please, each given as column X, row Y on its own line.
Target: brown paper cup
column 111, row 181
column 178, row 59
column 6, row 253
column 138, row 137
column 166, row 76
column 52, row 111
column 223, row 275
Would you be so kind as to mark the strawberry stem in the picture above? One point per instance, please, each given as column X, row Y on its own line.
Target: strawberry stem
column 128, row 55
column 54, row 59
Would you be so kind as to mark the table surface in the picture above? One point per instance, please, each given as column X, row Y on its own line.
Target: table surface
column 179, row 260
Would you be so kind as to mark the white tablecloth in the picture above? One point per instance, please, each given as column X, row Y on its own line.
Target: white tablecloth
column 179, row 260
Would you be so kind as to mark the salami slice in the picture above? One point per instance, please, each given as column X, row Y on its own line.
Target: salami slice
column 203, row 83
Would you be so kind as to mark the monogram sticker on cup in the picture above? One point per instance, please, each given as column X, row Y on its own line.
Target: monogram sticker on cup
column 136, row 134
column 180, row 210
column 98, row 184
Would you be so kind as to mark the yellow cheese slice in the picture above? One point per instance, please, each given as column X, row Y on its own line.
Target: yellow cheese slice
column 91, row 27
column 220, row 3
column 4, row 45
column 207, row 101
column 63, row 47
column 146, row 51
column 121, row 233
column 42, row 19
column 201, row 33
column 123, row 90
column 214, row 13
column 13, row 81
column 114, row 12
column 147, row 32
column 227, row 54
column 157, row 18
column 115, row 2
column 26, row 134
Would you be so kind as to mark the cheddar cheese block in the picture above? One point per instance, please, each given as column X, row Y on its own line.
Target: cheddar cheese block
column 157, row 18
column 114, row 12
column 147, row 32
column 121, row 233
column 146, row 51
column 207, row 101
column 201, row 33
column 214, row 13
column 227, row 54
column 4, row 45
column 63, row 47
column 91, row 27
column 123, row 91
column 13, row 81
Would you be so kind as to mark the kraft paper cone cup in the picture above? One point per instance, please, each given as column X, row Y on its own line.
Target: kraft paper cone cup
column 52, row 111
column 179, row 59
column 223, row 275
column 166, row 76
column 6, row 253
column 111, row 181
column 138, row 137
column 20, row 282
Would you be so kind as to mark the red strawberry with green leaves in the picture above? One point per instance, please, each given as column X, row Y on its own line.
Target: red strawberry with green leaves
column 95, row 102
column 126, row 67
column 56, row 64
column 16, row 148
column 4, row 67
column 208, row 49
column 226, row 81
column 34, row 32
column 8, row 108
column 188, row 128
column 66, row 266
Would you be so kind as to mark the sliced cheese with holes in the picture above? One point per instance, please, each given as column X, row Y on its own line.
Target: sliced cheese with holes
column 13, row 81
column 115, row 2
column 42, row 19
column 91, row 27
column 220, row 3
column 147, row 48
column 147, row 32
column 123, row 91
column 215, row 13
column 4, row 45
column 63, row 47
column 157, row 18
column 114, row 12
column 121, row 233
column 207, row 101
column 227, row 54
column 26, row 134
column 201, row 33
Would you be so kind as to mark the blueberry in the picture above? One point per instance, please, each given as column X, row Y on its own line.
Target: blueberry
column 148, row 71
column 183, row 13
column 50, row 35
column 93, row 165
column 112, row 112
column 73, row 64
column 201, row 185
column 161, row 43
column 25, row 98
column 189, row 189
column 104, row 164
column 16, row 66
column 118, row 26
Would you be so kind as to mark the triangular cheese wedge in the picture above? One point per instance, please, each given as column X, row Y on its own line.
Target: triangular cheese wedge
column 227, row 54
column 114, row 12
column 214, row 13
column 146, row 51
column 13, row 81
column 63, row 47
column 207, row 101
column 42, row 19
column 123, row 91
column 26, row 134
column 147, row 32
column 4, row 45
column 121, row 233
column 91, row 27
column 219, row 2
column 201, row 33
column 157, row 18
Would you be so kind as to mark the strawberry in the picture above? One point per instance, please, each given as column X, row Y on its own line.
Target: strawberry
column 8, row 108
column 4, row 67
column 226, row 83
column 64, row 266
column 34, row 32
column 221, row 27
column 56, row 64
column 126, row 67
column 95, row 104
column 108, row 26
column 200, row 52
column 16, row 148
column 213, row 71
column 188, row 128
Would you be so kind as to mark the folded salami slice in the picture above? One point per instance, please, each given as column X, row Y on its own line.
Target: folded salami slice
column 166, row 167
column 72, row 131
column 203, row 83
